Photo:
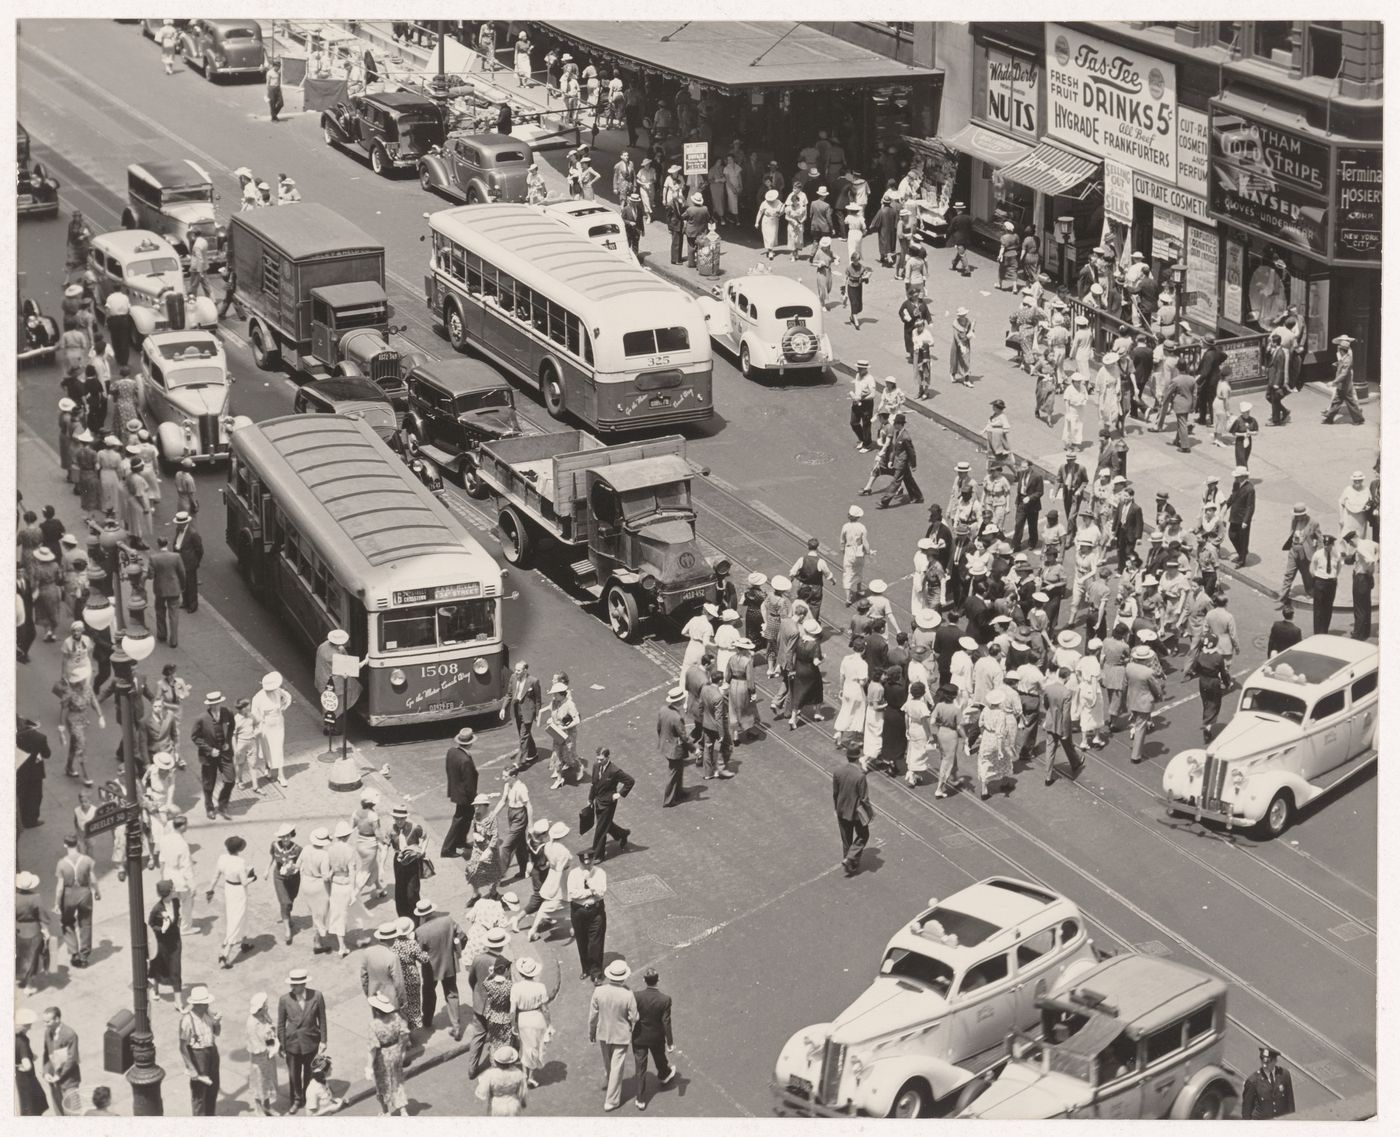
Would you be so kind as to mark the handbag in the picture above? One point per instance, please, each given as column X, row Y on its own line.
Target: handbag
column 426, row 869
column 586, row 816
column 866, row 811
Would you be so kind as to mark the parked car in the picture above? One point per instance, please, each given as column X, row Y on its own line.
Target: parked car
column 351, row 395
column 150, row 27
column 454, row 405
column 1137, row 1037
column 36, row 191
column 175, row 198
column 185, row 390
column 952, row 983
column 771, row 322
column 395, row 128
column 37, row 337
column 1306, row 722
column 146, row 267
column 600, row 223
column 477, row 167
column 224, row 47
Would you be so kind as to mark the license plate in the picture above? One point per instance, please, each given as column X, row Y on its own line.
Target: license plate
column 26, row 199
column 659, row 401
column 693, row 593
column 435, row 707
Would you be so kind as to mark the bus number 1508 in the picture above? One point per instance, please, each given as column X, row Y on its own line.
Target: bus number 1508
column 440, row 670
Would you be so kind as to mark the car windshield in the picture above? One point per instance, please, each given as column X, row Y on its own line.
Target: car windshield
column 179, row 377
column 1264, row 701
column 793, row 312
column 152, row 266
column 434, row 625
column 900, row 963
column 186, row 193
column 482, row 400
column 361, row 317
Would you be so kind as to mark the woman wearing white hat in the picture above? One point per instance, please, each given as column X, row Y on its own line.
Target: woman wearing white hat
column 743, row 708
column 529, row 1001
column 268, row 708
column 853, row 679
column 768, row 218
column 505, row 1086
column 29, row 1091
column 31, row 943
column 561, row 723
column 776, row 608
column 388, row 1039
column 1090, row 703
column 368, row 843
column 807, row 675
column 960, row 351
column 995, row 742
column 340, row 865
column 261, row 1034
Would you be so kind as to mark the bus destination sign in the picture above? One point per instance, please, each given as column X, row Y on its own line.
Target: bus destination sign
column 444, row 592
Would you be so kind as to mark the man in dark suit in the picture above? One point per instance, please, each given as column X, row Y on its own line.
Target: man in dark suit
column 941, row 536
column 608, row 786
column 1208, row 380
column 486, row 964
column 61, row 1070
column 714, row 739
column 1057, row 716
column 961, row 234
column 1284, row 633
column 850, row 795
column 165, row 927
column 213, row 738
column 905, row 460
column 522, row 702
column 1030, row 488
column 301, row 1034
column 1240, row 506
column 441, row 939
column 461, row 791
column 651, row 1034
column 190, row 545
column 168, row 581
column 1127, row 526
column 673, row 742
column 1268, row 1092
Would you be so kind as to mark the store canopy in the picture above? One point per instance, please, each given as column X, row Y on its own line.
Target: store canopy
column 989, row 146
column 1054, row 169
column 734, row 55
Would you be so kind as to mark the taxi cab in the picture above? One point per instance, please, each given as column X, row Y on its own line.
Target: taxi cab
column 1137, row 1037
column 600, row 223
column 185, row 388
column 1306, row 723
column 952, row 984
column 773, row 323
column 145, row 266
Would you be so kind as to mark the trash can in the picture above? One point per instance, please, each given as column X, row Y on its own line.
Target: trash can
column 116, row 1043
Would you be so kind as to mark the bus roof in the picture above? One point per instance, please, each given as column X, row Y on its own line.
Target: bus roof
column 308, row 230
column 526, row 242
column 372, row 519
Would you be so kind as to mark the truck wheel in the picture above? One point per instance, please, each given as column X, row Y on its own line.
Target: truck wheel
column 471, row 481
column 1209, row 1105
column 1279, row 816
column 267, row 358
column 622, row 612
column 552, row 388
column 378, row 160
column 745, row 363
column 913, row 1100
column 515, row 537
column 456, row 327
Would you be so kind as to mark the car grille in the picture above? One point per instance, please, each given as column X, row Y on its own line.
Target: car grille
column 208, row 433
column 384, row 369
column 833, row 1064
column 1213, row 782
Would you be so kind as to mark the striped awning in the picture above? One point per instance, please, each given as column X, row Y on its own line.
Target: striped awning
column 1054, row 169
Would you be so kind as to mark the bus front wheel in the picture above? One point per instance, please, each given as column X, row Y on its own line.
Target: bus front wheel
column 622, row 612
column 552, row 388
column 515, row 537
column 456, row 328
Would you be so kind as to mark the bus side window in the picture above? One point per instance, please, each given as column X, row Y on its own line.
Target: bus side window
column 488, row 281
column 522, row 302
column 557, row 320
column 473, row 266
column 572, row 332
column 335, row 600
column 540, row 310
column 456, row 265
column 587, row 348
column 507, row 292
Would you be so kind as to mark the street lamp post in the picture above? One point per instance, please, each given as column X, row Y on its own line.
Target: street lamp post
column 133, row 645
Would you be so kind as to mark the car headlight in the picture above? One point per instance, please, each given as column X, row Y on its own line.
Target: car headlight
column 649, row 583
column 856, row 1067
column 1237, row 779
column 481, row 667
column 1193, row 766
column 397, row 679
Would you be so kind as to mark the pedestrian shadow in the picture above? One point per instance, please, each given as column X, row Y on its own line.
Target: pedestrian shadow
column 103, row 949
column 553, row 1072
column 261, row 943
column 871, row 861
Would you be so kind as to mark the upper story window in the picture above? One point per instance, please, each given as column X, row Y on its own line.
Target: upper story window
column 1227, row 34
column 1271, row 36
column 1324, row 57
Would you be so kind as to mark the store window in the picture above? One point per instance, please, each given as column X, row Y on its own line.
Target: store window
column 1324, row 49
column 1273, row 41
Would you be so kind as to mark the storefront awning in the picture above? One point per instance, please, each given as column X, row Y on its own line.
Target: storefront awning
column 989, row 146
column 735, row 55
column 1054, row 169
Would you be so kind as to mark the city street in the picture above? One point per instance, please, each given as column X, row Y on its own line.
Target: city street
column 737, row 896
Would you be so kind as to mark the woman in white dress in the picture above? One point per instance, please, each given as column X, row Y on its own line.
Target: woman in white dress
column 960, row 667
column 743, row 708
column 269, row 709
column 699, row 632
column 1076, row 398
column 850, row 717
column 874, row 726
column 916, row 730
column 314, row 867
column 529, row 1001
column 522, row 60
column 235, row 874
column 1089, row 701
column 563, row 730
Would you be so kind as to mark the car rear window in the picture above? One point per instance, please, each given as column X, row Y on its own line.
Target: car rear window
column 793, row 312
column 240, row 33
column 655, row 340
column 504, row 157
column 608, row 230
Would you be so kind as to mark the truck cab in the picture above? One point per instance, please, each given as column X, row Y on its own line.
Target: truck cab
column 350, row 336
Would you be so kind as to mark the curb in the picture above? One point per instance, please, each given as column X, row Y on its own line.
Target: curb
column 364, row 1089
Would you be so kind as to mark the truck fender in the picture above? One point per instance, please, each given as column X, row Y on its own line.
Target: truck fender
column 432, row 171
column 792, row 1058
column 201, row 312
column 239, row 421
column 625, row 577
column 350, row 369
column 716, row 314
column 171, row 441
column 1199, row 1082
column 876, row 1093
column 143, row 319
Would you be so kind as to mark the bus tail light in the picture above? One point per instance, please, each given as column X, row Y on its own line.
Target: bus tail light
column 397, row 679
column 481, row 667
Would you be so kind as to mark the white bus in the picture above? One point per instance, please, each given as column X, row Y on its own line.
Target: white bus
column 617, row 347
column 333, row 529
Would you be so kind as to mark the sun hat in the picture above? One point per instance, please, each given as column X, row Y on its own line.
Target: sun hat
column 757, row 578
column 696, row 199
column 962, row 312
column 163, row 760
column 1146, row 635
column 811, row 627
column 369, row 796
column 505, row 1055
column 558, row 831
column 510, row 901
column 995, row 697
column 483, row 799
column 1142, row 652
column 1241, row 471
column 877, row 587
column 855, row 511
column 528, row 966
column 771, row 195
column 1069, row 639
column 559, row 689
column 320, row 838
column 465, row 737
column 540, row 828
column 497, row 938
column 729, row 615
column 618, row 971
column 342, row 829
column 256, row 1002
column 424, row 908
column 213, row 699
column 200, row 996
column 286, row 829
column 381, row 1002
column 744, row 644
column 387, row 931
column 26, row 881
column 967, row 643
column 928, row 619
column 43, row 554
column 1246, row 406
column 1040, row 597
column 1010, row 228
column 272, row 680
column 338, row 636
column 781, row 583
column 675, row 695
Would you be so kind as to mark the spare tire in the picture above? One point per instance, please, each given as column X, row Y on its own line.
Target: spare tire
column 799, row 344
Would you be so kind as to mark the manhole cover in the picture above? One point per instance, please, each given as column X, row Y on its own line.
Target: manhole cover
column 813, row 458
column 672, row 931
column 639, row 889
column 1153, row 947
column 1349, row 931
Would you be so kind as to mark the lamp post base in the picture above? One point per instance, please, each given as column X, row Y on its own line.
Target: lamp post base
column 145, row 1078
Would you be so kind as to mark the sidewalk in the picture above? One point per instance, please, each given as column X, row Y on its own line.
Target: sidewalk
column 211, row 656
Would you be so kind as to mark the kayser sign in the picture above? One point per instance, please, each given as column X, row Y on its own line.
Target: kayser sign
column 1111, row 100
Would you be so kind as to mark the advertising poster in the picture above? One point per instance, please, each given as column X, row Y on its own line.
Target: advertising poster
column 1358, row 205
column 1234, row 282
column 1192, row 150
column 1118, row 191
column 1111, row 100
column 1013, row 83
column 1168, row 235
column 697, row 158
column 1202, row 275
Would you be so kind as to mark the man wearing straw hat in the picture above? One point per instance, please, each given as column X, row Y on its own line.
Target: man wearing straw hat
column 612, row 1015
column 199, row 1033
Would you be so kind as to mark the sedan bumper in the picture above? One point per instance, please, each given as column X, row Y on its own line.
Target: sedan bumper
column 1222, row 814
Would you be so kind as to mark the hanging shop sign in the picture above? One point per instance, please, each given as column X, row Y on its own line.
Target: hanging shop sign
column 1168, row 235
column 1202, row 274
column 1276, row 212
column 1118, row 191
column 1234, row 282
column 1111, row 100
column 1268, row 152
column 1164, row 196
column 1193, row 151
column 697, row 158
column 1357, row 197
column 1013, row 83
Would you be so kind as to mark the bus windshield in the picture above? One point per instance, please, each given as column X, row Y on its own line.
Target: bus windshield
column 437, row 625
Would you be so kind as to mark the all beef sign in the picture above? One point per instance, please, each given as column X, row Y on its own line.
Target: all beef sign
column 1111, row 101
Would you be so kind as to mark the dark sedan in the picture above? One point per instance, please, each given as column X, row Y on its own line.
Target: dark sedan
column 353, row 396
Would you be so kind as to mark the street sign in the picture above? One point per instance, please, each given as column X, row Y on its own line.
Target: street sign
column 346, row 666
column 109, row 815
column 330, row 701
column 697, row 158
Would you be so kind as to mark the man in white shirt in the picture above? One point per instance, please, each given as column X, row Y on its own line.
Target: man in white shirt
column 554, row 892
column 1326, row 564
column 177, row 866
column 1364, row 557
column 862, row 406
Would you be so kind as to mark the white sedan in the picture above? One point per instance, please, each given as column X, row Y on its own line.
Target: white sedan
column 186, row 389
column 773, row 323
column 596, row 220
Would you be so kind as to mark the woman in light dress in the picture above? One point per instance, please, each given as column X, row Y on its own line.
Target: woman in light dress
column 269, row 709
column 368, row 843
column 522, row 59
column 1089, row 701
column 916, row 730
column 872, row 732
column 743, row 707
column 235, row 874
column 314, row 868
column 768, row 220
column 946, row 722
column 850, row 716
column 994, row 725
column 505, row 1086
column 529, row 1001
column 262, row 1056
column 388, row 1038
column 960, row 353
column 484, row 915
column 563, row 720
column 1076, row 398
